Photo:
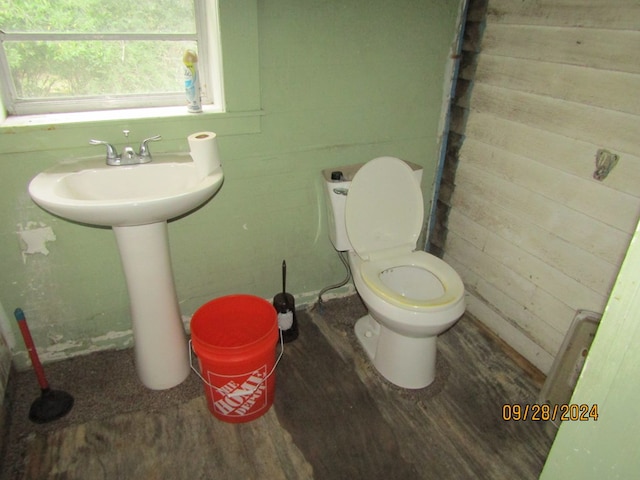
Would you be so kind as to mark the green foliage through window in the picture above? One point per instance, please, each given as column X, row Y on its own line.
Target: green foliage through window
column 75, row 48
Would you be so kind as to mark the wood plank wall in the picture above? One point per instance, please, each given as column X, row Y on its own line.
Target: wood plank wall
column 534, row 236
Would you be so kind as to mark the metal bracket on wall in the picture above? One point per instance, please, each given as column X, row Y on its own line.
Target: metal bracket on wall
column 605, row 161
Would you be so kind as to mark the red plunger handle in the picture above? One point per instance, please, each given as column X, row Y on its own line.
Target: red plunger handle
column 31, row 348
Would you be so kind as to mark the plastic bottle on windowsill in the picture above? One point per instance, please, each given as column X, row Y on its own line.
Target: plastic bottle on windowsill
column 192, row 81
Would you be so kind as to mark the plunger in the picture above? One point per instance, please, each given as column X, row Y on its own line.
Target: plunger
column 52, row 404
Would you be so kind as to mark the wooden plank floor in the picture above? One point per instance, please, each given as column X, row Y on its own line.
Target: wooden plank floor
column 334, row 417
column 454, row 428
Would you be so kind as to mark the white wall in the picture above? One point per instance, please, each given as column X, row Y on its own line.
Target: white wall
column 533, row 234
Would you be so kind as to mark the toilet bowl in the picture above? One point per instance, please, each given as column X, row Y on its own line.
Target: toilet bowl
column 376, row 214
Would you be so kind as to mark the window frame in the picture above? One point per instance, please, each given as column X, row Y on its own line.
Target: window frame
column 207, row 37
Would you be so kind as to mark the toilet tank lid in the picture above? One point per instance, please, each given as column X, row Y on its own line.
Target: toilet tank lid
column 384, row 207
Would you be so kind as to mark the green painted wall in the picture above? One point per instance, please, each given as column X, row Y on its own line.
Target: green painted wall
column 309, row 85
column 607, row 447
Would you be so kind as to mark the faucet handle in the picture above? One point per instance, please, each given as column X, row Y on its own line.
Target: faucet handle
column 112, row 153
column 144, row 146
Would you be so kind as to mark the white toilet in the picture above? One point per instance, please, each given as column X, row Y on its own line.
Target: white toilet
column 376, row 213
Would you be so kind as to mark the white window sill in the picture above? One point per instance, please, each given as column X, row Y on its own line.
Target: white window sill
column 104, row 115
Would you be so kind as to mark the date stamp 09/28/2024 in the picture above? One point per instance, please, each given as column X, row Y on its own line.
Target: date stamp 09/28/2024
column 515, row 412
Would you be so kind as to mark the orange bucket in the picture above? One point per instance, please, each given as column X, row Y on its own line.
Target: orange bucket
column 235, row 339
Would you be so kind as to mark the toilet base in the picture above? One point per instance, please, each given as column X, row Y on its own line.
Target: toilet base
column 407, row 362
column 368, row 332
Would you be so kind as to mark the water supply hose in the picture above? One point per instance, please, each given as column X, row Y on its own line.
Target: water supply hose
column 337, row 285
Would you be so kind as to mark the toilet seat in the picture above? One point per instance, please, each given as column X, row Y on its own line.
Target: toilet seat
column 384, row 215
column 372, row 269
column 384, row 208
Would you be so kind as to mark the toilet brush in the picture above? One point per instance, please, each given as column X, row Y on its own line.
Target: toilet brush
column 285, row 306
column 52, row 404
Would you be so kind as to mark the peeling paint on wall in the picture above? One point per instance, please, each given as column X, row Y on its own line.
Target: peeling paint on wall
column 112, row 336
column 62, row 350
column 34, row 237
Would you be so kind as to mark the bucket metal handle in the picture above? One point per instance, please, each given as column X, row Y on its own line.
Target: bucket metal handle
column 236, row 393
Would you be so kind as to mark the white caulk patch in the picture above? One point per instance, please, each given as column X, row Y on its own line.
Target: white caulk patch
column 34, row 237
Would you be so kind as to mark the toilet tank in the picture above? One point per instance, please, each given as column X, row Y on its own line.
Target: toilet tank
column 336, row 187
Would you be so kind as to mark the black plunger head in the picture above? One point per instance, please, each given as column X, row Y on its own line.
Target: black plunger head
column 50, row 406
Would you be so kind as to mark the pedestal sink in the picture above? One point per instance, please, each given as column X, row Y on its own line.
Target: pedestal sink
column 137, row 201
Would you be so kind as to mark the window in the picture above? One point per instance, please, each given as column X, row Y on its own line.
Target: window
column 83, row 55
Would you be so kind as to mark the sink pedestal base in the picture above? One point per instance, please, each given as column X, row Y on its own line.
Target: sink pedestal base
column 161, row 351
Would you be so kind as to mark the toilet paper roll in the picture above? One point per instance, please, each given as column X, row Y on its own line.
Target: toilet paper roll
column 204, row 152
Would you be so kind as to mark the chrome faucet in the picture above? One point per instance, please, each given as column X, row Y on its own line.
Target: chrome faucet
column 129, row 155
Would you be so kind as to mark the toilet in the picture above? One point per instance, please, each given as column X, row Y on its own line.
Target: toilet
column 376, row 213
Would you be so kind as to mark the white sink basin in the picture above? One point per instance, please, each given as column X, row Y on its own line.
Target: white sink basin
column 136, row 201
column 89, row 191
